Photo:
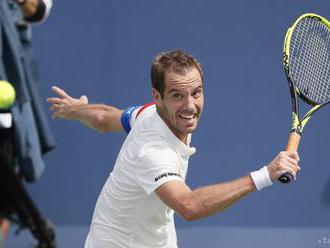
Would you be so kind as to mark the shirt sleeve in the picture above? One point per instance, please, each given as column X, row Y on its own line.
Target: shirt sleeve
column 157, row 168
column 128, row 118
column 130, row 115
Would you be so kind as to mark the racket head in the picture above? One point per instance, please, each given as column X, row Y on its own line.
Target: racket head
column 306, row 55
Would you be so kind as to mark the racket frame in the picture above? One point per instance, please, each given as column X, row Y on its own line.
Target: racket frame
column 297, row 124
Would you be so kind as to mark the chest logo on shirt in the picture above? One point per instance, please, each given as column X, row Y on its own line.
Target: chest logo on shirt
column 168, row 174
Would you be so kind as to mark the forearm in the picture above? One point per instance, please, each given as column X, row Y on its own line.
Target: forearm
column 100, row 117
column 212, row 199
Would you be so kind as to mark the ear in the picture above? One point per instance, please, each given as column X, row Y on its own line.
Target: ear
column 156, row 96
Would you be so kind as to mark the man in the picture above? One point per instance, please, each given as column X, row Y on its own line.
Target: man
column 147, row 184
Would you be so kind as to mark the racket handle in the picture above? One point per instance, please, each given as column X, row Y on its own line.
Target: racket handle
column 293, row 144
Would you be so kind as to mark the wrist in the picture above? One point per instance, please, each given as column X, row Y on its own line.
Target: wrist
column 261, row 178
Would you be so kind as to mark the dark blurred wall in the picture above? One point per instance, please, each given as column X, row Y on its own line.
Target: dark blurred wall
column 104, row 49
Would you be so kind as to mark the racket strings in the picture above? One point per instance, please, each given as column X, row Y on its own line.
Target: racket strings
column 309, row 59
column 313, row 68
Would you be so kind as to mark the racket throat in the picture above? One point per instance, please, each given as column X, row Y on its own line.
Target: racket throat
column 298, row 129
column 297, row 126
column 295, row 134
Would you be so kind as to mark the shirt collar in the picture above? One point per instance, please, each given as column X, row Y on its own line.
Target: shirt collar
column 165, row 132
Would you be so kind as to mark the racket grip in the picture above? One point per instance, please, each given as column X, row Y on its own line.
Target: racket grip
column 293, row 142
column 292, row 145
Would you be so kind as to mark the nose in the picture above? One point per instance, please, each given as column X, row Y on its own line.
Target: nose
column 190, row 102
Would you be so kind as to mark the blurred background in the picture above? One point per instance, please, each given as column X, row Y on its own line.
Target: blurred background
column 104, row 49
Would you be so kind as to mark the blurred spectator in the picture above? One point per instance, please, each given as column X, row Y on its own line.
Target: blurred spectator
column 31, row 134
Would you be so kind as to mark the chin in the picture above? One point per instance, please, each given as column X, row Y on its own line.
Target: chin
column 190, row 129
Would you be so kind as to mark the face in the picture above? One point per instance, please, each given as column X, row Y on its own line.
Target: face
column 182, row 103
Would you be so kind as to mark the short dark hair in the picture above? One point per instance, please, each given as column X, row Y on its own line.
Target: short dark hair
column 178, row 61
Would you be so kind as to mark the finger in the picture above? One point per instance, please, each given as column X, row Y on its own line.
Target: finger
column 293, row 154
column 55, row 100
column 292, row 160
column 60, row 92
column 291, row 166
column 84, row 99
column 294, row 167
column 55, row 107
column 294, row 174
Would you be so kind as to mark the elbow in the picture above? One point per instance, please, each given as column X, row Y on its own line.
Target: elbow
column 108, row 121
column 103, row 129
column 101, row 123
column 188, row 211
column 188, row 217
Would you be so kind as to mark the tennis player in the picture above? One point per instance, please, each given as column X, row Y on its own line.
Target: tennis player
column 147, row 185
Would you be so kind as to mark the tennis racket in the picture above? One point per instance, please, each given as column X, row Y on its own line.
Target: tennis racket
column 306, row 56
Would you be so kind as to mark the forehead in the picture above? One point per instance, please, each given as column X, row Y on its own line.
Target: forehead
column 189, row 79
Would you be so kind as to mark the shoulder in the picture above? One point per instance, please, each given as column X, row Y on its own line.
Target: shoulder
column 132, row 115
column 143, row 112
column 147, row 109
column 146, row 145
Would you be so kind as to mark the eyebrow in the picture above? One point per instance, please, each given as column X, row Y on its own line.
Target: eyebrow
column 176, row 90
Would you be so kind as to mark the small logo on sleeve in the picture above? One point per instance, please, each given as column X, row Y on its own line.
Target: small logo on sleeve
column 168, row 174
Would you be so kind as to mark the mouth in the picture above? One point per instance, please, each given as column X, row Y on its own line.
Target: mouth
column 187, row 117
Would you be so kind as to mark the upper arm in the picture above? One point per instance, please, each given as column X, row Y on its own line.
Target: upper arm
column 175, row 194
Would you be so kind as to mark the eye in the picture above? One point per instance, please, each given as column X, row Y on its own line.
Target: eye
column 177, row 96
column 197, row 93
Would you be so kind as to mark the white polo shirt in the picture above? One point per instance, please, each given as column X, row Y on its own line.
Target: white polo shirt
column 128, row 213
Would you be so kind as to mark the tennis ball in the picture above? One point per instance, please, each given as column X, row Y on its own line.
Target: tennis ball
column 7, row 95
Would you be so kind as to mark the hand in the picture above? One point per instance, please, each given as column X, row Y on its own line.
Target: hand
column 284, row 162
column 63, row 104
